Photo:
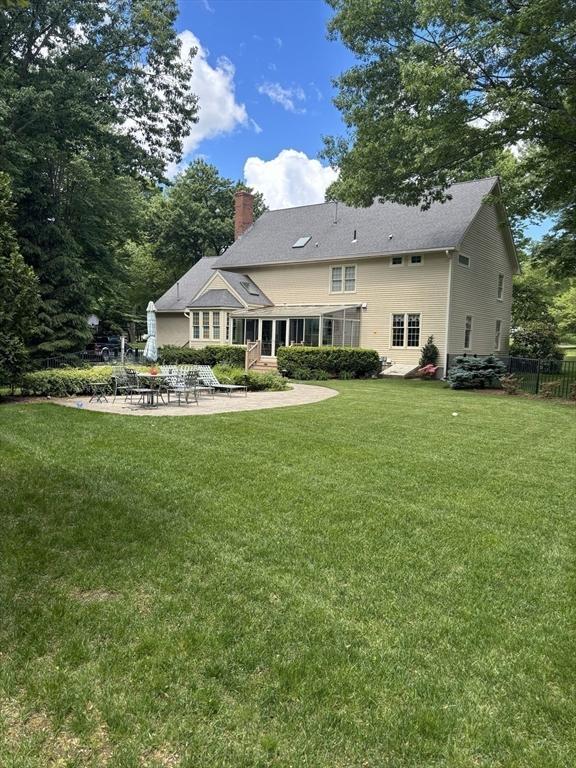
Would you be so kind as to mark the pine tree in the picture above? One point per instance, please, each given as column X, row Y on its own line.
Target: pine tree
column 429, row 353
column 19, row 294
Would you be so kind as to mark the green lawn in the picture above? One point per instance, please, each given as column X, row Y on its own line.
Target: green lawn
column 363, row 583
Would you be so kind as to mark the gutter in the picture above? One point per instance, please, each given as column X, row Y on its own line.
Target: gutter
column 351, row 257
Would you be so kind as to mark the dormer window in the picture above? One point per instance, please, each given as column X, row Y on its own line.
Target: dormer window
column 302, row 241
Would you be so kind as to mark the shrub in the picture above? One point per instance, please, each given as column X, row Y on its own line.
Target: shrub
column 63, row 382
column 14, row 360
column 66, row 382
column 572, row 391
column 307, row 374
column 536, row 339
column 471, row 372
column 429, row 353
column 228, row 355
column 511, row 384
column 550, row 389
column 254, row 380
column 334, row 361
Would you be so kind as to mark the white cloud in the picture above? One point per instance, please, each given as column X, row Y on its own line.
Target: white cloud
column 291, row 178
column 286, row 97
column 219, row 111
column 257, row 128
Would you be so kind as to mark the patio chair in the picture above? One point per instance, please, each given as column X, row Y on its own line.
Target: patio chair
column 121, row 384
column 209, row 379
column 135, row 388
column 182, row 385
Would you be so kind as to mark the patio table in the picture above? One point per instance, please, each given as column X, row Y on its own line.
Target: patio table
column 153, row 382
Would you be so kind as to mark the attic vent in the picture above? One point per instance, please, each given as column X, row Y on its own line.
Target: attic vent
column 249, row 288
column 301, row 242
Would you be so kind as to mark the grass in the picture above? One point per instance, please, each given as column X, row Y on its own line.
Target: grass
column 366, row 582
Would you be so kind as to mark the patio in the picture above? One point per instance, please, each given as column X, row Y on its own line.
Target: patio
column 299, row 394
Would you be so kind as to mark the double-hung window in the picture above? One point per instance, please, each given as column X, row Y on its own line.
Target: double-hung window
column 406, row 330
column 195, row 325
column 500, row 287
column 468, row 332
column 343, row 279
column 498, row 336
column 215, row 325
column 205, row 325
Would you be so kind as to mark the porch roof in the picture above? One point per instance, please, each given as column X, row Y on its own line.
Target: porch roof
column 293, row 310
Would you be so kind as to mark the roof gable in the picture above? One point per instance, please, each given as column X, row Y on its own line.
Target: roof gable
column 340, row 231
column 185, row 291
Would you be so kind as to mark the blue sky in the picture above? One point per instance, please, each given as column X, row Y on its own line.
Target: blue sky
column 264, row 74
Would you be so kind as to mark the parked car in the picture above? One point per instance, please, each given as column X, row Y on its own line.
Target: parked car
column 104, row 347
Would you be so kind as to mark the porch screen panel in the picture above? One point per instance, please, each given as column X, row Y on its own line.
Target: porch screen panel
column 251, row 329
column 296, row 332
column 327, row 328
column 311, row 331
column 238, row 328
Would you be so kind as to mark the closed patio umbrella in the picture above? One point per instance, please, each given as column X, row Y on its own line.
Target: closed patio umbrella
column 151, row 350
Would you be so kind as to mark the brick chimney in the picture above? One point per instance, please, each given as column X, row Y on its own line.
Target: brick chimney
column 243, row 212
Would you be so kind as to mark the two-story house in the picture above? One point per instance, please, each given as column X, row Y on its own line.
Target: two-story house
column 384, row 277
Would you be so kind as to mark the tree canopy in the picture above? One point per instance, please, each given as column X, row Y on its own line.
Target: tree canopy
column 19, row 294
column 194, row 217
column 94, row 99
column 443, row 87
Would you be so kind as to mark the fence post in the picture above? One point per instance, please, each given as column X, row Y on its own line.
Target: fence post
column 537, row 376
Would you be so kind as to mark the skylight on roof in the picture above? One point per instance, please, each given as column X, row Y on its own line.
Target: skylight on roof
column 301, row 242
column 249, row 288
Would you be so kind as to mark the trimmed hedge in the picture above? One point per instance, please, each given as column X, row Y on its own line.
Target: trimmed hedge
column 64, row 382
column 348, row 362
column 254, row 380
column 68, row 382
column 227, row 355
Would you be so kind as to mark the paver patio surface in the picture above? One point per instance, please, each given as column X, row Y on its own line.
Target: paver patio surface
column 299, row 394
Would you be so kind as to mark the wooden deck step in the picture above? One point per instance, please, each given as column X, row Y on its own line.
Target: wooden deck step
column 265, row 365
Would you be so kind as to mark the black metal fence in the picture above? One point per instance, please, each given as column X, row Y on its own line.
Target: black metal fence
column 533, row 374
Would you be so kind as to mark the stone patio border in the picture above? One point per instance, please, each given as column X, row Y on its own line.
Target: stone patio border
column 299, row 394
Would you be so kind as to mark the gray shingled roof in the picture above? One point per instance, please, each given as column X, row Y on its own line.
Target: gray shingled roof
column 270, row 239
column 217, row 298
column 183, row 292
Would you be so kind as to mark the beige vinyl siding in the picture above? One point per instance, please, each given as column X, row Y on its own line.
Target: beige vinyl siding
column 216, row 283
column 172, row 328
column 386, row 290
column 474, row 289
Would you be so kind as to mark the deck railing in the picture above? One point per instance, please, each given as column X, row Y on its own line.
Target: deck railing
column 253, row 353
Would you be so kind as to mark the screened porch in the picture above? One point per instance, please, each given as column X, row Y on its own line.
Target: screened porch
column 309, row 325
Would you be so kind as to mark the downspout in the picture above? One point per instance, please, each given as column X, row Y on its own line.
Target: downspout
column 188, row 314
column 448, row 300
